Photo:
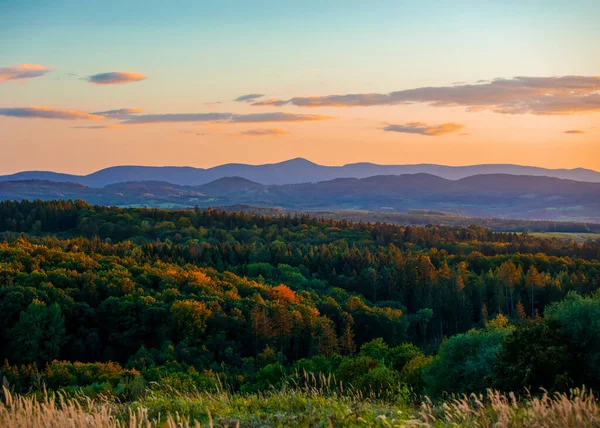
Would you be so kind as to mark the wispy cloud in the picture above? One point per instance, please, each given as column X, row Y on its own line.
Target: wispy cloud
column 277, row 117
column 249, row 97
column 212, row 104
column 121, row 113
column 520, row 95
column 48, row 113
column 272, row 102
column 185, row 131
column 131, row 116
column 574, row 131
column 116, row 78
column 273, row 132
column 223, row 118
column 177, row 117
column 99, row 127
column 23, row 71
column 424, row 129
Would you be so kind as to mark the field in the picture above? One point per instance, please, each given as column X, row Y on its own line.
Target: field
column 577, row 237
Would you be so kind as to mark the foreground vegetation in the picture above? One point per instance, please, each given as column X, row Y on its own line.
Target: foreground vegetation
column 152, row 314
column 300, row 408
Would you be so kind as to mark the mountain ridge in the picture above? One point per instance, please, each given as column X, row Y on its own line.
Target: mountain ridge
column 488, row 195
column 292, row 171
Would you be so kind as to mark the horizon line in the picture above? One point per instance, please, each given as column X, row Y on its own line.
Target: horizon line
column 299, row 158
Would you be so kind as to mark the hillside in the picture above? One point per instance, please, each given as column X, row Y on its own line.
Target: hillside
column 229, row 318
column 491, row 195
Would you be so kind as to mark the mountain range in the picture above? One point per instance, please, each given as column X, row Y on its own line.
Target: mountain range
column 485, row 195
column 293, row 171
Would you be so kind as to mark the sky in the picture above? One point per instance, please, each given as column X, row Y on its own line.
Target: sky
column 85, row 85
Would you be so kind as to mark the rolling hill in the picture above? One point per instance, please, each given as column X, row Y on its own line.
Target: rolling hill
column 293, row 171
column 490, row 195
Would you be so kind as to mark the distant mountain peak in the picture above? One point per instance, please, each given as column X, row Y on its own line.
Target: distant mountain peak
column 294, row 171
column 298, row 161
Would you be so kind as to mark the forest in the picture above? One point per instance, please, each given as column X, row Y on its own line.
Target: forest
column 118, row 302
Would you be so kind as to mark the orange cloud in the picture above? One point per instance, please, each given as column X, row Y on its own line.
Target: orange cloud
column 22, row 71
column 116, row 78
column 424, row 129
column 48, row 113
column 272, row 102
column 574, row 131
column 520, row 95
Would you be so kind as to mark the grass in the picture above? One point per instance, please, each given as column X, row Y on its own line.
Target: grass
column 302, row 407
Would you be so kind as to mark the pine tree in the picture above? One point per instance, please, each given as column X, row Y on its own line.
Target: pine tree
column 520, row 310
column 347, row 344
column 484, row 314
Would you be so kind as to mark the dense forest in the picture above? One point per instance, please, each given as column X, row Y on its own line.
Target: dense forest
column 109, row 299
column 427, row 217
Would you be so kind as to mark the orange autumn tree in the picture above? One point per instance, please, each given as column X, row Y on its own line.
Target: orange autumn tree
column 283, row 294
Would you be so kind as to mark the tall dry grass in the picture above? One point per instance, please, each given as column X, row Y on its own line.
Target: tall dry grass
column 579, row 408
column 55, row 410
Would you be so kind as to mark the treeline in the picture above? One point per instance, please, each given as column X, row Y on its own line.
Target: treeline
column 206, row 296
column 426, row 217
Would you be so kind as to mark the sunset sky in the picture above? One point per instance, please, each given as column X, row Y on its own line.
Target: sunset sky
column 89, row 84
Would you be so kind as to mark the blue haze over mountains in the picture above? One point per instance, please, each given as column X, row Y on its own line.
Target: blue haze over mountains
column 487, row 191
column 293, row 171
